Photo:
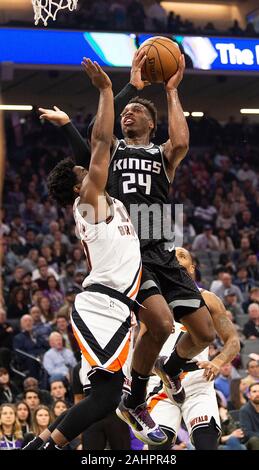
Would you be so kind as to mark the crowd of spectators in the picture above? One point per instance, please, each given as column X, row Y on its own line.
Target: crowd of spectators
column 137, row 16
column 44, row 264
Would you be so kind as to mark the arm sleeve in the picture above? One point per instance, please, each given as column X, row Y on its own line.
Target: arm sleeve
column 81, row 151
column 120, row 101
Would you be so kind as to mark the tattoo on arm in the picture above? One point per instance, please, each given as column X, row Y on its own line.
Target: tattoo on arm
column 226, row 330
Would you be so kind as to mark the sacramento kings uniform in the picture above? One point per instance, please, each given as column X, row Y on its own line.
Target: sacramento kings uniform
column 200, row 404
column 137, row 176
column 101, row 317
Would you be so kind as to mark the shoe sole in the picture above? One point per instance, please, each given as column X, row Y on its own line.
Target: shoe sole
column 138, row 435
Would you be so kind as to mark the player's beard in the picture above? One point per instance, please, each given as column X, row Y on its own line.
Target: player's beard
column 130, row 133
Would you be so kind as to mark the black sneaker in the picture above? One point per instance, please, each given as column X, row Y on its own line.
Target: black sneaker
column 141, row 423
column 173, row 385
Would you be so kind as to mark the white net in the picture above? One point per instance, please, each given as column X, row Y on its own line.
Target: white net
column 46, row 9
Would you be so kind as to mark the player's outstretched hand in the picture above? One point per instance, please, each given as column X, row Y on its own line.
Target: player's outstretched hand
column 211, row 369
column 55, row 115
column 96, row 74
column 135, row 73
column 175, row 80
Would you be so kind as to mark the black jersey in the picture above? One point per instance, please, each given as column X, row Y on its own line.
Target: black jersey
column 138, row 178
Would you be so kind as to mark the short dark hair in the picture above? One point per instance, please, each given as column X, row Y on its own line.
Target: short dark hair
column 61, row 182
column 31, row 390
column 251, row 360
column 151, row 108
column 3, row 371
column 252, row 385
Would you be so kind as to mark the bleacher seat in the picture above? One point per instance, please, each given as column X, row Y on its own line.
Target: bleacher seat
column 244, row 359
column 241, row 319
column 242, row 372
column 250, row 346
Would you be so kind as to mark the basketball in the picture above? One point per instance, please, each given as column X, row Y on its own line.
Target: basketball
column 162, row 59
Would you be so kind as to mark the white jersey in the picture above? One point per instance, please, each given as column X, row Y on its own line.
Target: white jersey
column 200, row 404
column 111, row 248
column 191, row 381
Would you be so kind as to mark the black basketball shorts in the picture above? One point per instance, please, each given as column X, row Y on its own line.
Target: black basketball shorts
column 162, row 274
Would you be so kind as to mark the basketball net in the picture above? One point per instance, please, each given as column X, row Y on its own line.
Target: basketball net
column 46, row 9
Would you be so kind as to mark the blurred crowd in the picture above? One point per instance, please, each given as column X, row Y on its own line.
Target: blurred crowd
column 137, row 16
column 44, row 264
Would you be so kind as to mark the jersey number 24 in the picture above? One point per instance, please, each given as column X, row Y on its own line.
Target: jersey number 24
column 132, row 180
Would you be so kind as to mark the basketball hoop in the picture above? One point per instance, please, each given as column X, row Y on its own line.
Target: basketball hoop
column 46, row 9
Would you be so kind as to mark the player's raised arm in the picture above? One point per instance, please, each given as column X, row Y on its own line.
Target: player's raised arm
column 177, row 146
column 129, row 91
column 95, row 181
column 81, row 151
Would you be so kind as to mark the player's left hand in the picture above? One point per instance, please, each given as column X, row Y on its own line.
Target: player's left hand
column 174, row 81
column 96, row 74
column 55, row 115
column 211, row 369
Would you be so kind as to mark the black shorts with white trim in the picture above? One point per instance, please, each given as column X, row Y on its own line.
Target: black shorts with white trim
column 162, row 274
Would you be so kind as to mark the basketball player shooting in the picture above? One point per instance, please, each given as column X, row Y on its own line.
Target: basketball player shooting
column 141, row 173
column 101, row 317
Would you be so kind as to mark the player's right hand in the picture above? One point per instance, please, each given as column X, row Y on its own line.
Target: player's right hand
column 136, row 69
column 96, row 74
column 211, row 369
column 55, row 115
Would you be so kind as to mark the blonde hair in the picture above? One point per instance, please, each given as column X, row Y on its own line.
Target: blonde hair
column 35, row 426
column 16, row 429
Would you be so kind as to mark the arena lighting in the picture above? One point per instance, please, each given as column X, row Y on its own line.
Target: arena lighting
column 186, row 113
column 15, row 107
column 249, row 111
column 15, row 4
column 197, row 114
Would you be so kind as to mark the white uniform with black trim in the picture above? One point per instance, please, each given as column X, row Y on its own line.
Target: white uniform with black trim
column 100, row 322
column 200, row 404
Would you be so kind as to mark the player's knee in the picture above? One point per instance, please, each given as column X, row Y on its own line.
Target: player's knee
column 206, row 337
column 161, row 334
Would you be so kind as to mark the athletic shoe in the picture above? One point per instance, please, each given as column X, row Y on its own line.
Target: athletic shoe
column 172, row 385
column 141, row 423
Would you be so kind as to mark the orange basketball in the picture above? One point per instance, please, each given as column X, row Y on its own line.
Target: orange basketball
column 162, row 59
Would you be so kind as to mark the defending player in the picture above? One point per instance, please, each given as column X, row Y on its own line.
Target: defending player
column 101, row 316
column 199, row 410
